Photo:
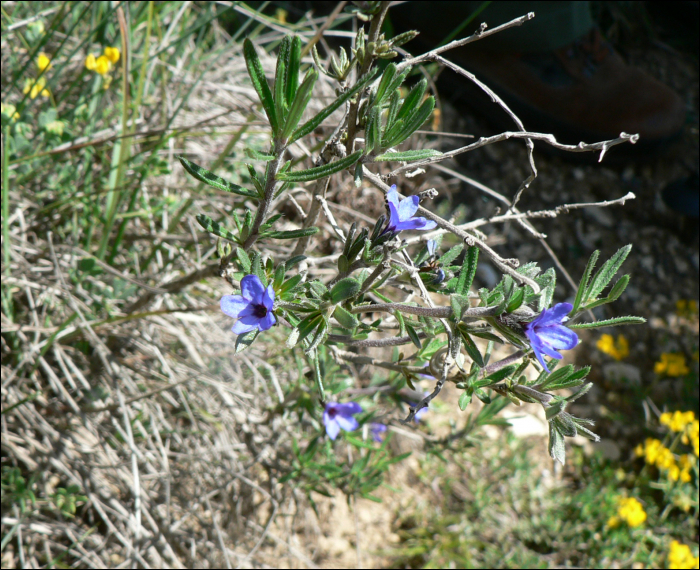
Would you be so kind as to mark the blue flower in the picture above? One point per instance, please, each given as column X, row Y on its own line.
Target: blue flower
column 401, row 214
column 431, row 247
column 253, row 308
column 337, row 416
column 547, row 334
column 377, row 431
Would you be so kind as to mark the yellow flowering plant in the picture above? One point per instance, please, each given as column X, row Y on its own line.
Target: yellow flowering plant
column 680, row 556
column 102, row 64
column 671, row 364
column 630, row 512
column 618, row 349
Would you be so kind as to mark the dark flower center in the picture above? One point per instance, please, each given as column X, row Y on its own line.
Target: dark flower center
column 332, row 412
column 259, row 311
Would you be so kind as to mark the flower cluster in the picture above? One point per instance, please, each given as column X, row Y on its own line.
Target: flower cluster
column 671, row 364
column 655, row 453
column 36, row 87
column 680, row 556
column 547, row 334
column 630, row 511
column 102, row 65
column 618, row 349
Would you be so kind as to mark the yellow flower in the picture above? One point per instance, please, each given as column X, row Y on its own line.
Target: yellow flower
column 103, row 65
column 617, row 349
column 680, row 556
column 677, row 421
column 10, row 111
column 281, row 15
column 686, row 476
column 43, row 62
column 90, row 62
column 112, row 54
column 36, row 87
column 674, row 473
column 631, row 510
column 671, row 364
column 614, row 522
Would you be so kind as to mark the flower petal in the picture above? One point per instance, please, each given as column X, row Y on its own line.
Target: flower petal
column 392, row 197
column 556, row 314
column 241, row 328
column 558, row 336
column 332, row 427
column 408, row 207
column 538, row 354
column 232, row 305
column 267, row 321
column 268, row 299
column 348, row 409
column 347, row 423
column 252, row 289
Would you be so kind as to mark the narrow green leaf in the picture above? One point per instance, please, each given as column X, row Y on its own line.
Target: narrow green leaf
column 292, row 80
column 255, row 155
column 213, row 180
column 466, row 276
column 321, row 333
column 288, row 285
column 373, row 132
column 311, row 124
column 583, row 285
column 516, row 300
column 292, row 261
column 471, row 348
column 556, row 444
column 618, row 288
column 412, row 100
column 607, row 272
column 344, row 289
column 257, row 76
column 616, row 322
column 243, row 341
column 413, row 335
column 393, row 109
column 345, row 318
column 451, row 254
column 214, row 228
column 343, row 264
column 321, row 171
column 280, row 78
column 243, row 259
column 301, row 101
column 384, row 83
column 464, row 400
column 557, row 376
column 408, row 155
column 500, row 375
column 404, row 128
column 279, row 276
column 457, row 306
column 291, row 234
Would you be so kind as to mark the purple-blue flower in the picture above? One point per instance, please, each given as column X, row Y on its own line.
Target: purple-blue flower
column 337, row 416
column 401, row 214
column 432, row 247
column 547, row 334
column 420, row 413
column 252, row 308
column 377, row 431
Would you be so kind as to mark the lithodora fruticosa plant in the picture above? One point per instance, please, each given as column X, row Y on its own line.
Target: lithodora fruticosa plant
column 389, row 288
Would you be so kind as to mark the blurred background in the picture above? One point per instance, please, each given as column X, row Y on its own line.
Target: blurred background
column 131, row 433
